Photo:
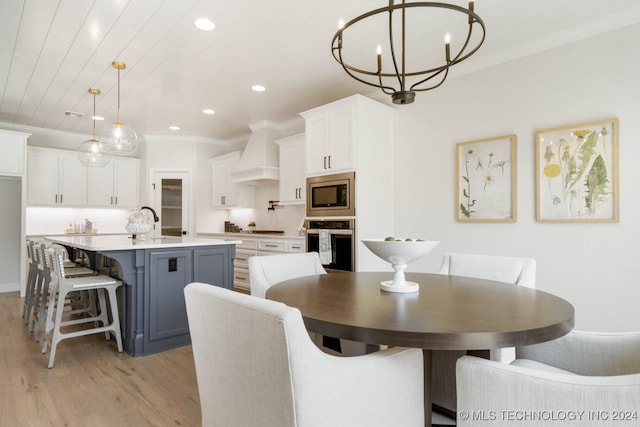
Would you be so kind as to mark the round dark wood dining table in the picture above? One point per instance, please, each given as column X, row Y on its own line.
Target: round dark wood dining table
column 447, row 313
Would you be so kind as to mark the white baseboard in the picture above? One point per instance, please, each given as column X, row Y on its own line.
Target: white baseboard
column 9, row 287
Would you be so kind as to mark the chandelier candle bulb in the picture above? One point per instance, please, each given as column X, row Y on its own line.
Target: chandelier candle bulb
column 447, row 41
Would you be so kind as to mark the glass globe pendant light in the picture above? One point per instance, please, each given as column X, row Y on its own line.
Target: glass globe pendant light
column 119, row 138
column 92, row 152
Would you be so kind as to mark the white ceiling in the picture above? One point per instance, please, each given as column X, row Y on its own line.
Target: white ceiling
column 53, row 51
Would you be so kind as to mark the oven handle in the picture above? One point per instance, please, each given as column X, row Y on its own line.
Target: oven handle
column 343, row 232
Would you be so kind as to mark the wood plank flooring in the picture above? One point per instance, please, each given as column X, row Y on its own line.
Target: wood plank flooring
column 91, row 383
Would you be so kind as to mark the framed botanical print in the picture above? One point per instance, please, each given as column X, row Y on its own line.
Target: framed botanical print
column 577, row 173
column 486, row 180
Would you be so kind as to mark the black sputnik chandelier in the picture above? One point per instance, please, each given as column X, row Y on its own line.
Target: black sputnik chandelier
column 396, row 78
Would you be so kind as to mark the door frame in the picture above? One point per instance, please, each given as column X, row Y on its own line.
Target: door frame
column 188, row 174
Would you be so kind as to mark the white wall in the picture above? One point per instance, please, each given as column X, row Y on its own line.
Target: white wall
column 593, row 266
column 10, row 232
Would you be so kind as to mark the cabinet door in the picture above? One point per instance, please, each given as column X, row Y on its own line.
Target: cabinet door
column 292, row 172
column 42, row 177
column 341, row 151
column 217, row 184
column 14, row 146
column 169, row 273
column 100, row 185
column 214, row 266
column 72, row 180
column 316, row 134
column 224, row 190
column 230, row 188
column 126, row 184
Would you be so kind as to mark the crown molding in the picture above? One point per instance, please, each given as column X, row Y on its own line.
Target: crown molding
column 44, row 131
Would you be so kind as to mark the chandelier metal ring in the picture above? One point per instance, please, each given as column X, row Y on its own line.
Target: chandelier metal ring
column 406, row 95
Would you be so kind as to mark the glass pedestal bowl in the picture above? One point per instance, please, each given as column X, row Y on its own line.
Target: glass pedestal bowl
column 399, row 253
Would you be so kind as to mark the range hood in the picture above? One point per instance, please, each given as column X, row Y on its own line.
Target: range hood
column 260, row 159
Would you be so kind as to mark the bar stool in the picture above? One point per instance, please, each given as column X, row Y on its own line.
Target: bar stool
column 38, row 298
column 61, row 286
column 32, row 277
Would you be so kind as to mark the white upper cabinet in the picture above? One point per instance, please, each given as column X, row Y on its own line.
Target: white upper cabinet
column 55, row 178
column 292, row 169
column 331, row 138
column 351, row 134
column 225, row 193
column 115, row 185
column 14, row 146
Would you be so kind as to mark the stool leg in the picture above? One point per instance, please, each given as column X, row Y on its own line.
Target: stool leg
column 35, row 302
column 27, row 294
column 56, row 327
column 115, row 314
column 103, row 311
column 45, row 297
column 48, row 325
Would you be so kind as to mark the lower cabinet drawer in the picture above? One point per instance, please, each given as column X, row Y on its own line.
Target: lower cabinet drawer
column 295, row 247
column 272, row 245
column 242, row 258
column 241, row 280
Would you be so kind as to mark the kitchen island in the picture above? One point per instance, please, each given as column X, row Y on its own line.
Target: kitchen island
column 154, row 272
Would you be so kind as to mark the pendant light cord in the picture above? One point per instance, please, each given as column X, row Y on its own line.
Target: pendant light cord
column 118, row 113
column 94, row 116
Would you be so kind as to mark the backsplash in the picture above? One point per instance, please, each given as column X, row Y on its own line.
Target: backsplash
column 287, row 217
column 56, row 220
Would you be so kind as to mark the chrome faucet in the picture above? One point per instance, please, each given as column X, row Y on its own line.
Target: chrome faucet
column 155, row 215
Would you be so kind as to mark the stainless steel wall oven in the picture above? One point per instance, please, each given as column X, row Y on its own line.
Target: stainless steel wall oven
column 340, row 234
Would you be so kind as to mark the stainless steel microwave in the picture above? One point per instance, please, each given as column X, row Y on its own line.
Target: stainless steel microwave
column 331, row 195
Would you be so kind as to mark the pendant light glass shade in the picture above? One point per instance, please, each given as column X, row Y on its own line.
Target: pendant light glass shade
column 92, row 152
column 119, row 139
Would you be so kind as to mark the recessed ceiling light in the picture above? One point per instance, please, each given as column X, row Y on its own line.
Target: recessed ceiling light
column 204, row 24
column 208, row 111
column 99, row 118
column 174, row 127
column 258, row 88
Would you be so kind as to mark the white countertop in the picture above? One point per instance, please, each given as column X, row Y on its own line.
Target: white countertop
column 125, row 242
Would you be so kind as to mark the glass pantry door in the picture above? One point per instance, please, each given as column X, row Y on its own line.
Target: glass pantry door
column 171, row 203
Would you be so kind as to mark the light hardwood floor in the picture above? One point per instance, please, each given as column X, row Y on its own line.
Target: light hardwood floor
column 91, row 383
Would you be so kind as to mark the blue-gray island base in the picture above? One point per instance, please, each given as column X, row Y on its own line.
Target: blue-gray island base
column 155, row 271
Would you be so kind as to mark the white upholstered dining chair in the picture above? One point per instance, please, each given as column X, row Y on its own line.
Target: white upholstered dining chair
column 268, row 270
column 513, row 270
column 256, row 366
column 593, row 377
